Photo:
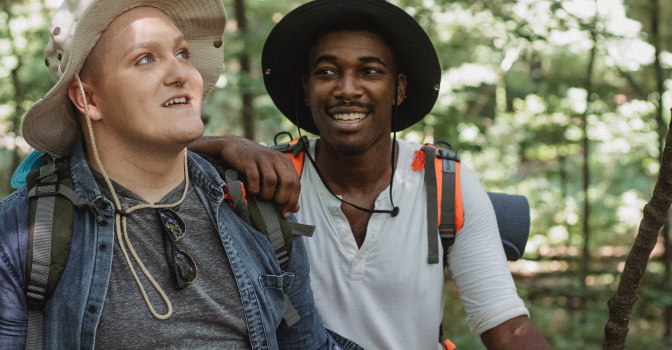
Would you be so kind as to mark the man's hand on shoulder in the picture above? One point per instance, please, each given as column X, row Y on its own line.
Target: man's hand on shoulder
column 516, row 334
column 270, row 174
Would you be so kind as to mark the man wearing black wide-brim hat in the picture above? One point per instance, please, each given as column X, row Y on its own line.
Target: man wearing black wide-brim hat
column 353, row 72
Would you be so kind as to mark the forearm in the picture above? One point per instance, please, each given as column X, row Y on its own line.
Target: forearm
column 214, row 145
column 515, row 334
column 269, row 173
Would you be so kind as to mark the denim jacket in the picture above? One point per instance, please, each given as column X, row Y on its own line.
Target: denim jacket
column 73, row 313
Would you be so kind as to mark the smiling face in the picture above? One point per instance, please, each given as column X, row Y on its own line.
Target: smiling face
column 143, row 89
column 350, row 90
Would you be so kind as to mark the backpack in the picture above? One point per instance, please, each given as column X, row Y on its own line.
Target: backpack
column 52, row 202
column 444, row 199
column 444, row 203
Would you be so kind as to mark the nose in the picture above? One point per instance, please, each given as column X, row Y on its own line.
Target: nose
column 176, row 73
column 349, row 88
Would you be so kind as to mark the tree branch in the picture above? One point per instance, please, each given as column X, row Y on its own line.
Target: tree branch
column 655, row 213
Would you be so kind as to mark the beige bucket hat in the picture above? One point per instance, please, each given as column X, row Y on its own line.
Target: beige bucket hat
column 50, row 125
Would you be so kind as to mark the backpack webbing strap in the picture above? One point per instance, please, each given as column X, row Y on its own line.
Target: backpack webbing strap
column 281, row 241
column 274, row 232
column 35, row 328
column 432, row 206
column 449, row 194
column 235, row 189
column 39, row 258
column 56, row 189
column 39, row 241
column 291, row 316
column 302, row 229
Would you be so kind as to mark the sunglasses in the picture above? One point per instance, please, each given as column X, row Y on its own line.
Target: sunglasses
column 181, row 265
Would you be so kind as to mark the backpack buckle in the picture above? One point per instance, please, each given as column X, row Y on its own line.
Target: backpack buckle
column 447, row 239
column 446, row 229
column 447, row 154
column 45, row 192
column 36, row 295
column 447, row 234
column 295, row 148
column 283, row 257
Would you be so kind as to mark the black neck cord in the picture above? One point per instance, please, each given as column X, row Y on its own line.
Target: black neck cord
column 395, row 210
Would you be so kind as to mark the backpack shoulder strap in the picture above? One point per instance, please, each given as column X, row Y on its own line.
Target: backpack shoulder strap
column 444, row 197
column 52, row 201
column 295, row 150
column 265, row 217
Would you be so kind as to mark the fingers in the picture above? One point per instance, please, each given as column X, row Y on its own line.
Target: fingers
column 253, row 180
column 292, row 205
column 281, row 183
column 287, row 193
column 270, row 174
column 269, row 179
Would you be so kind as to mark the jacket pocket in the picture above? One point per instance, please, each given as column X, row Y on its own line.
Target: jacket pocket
column 273, row 289
column 281, row 283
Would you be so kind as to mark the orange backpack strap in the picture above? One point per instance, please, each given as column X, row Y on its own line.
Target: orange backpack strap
column 295, row 150
column 444, row 197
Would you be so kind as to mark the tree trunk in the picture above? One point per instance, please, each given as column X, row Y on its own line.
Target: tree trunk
column 662, row 131
column 655, row 214
column 245, row 82
column 585, row 264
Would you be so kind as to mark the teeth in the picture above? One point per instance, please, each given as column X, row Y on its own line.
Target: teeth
column 350, row 116
column 174, row 101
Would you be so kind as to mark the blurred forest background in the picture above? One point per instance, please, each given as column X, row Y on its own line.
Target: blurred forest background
column 564, row 101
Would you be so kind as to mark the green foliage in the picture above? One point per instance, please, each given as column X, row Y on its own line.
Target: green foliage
column 512, row 98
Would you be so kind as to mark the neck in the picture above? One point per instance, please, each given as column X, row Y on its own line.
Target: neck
column 150, row 175
column 366, row 172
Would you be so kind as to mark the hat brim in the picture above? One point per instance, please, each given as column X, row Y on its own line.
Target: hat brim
column 284, row 57
column 50, row 124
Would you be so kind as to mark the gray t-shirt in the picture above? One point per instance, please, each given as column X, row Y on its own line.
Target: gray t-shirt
column 207, row 314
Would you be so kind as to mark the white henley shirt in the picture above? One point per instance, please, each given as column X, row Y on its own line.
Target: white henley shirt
column 385, row 295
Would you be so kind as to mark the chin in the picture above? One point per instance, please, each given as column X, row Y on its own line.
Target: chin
column 350, row 148
column 191, row 133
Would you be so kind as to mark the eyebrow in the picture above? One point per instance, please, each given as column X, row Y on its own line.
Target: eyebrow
column 151, row 43
column 369, row 59
column 328, row 58
column 332, row 58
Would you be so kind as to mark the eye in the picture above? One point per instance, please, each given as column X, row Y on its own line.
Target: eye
column 145, row 59
column 370, row 71
column 185, row 54
column 325, row 71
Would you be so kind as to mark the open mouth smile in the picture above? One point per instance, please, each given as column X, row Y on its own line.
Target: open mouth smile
column 177, row 100
column 349, row 117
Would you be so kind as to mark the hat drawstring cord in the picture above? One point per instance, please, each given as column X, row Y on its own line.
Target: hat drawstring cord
column 119, row 225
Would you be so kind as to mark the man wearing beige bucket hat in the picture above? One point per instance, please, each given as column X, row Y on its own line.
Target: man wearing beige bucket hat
column 131, row 76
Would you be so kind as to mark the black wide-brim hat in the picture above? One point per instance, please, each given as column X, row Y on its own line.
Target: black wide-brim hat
column 285, row 56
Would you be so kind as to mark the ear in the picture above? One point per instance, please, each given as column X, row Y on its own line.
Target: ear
column 401, row 88
column 304, row 80
column 75, row 94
